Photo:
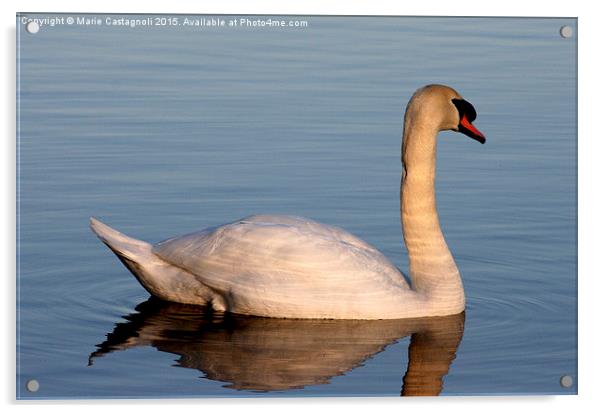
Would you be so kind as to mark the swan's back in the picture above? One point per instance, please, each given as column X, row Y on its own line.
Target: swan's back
column 285, row 266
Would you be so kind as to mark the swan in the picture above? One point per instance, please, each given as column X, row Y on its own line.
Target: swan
column 292, row 267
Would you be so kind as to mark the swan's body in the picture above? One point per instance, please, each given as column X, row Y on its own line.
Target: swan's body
column 283, row 266
column 270, row 265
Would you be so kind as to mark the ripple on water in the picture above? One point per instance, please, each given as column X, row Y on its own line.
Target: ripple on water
column 495, row 317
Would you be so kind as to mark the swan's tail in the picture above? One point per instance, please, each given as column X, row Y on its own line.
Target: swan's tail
column 136, row 255
column 123, row 246
column 157, row 276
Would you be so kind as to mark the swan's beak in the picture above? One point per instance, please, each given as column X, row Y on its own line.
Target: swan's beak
column 469, row 129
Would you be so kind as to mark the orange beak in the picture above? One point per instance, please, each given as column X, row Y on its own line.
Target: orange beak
column 469, row 129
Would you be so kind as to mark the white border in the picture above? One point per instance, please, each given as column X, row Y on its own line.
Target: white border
column 589, row 198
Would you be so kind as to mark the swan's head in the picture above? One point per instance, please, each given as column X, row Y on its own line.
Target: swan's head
column 445, row 109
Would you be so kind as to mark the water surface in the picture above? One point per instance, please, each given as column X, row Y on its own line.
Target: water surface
column 162, row 131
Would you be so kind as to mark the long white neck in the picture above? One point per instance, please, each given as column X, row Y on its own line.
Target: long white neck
column 433, row 271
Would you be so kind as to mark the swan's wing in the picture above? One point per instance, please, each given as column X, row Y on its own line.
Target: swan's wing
column 311, row 226
column 270, row 261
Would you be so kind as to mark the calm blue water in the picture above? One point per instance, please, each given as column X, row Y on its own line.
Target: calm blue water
column 160, row 131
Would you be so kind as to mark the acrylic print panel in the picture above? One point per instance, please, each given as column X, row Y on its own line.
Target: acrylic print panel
column 163, row 125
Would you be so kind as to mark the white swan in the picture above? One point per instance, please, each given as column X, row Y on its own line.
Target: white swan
column 291, row 267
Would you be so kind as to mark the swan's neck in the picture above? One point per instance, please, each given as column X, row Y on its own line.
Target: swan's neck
column 432, row 268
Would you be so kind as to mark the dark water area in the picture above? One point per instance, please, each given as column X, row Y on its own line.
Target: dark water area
column 161, row 131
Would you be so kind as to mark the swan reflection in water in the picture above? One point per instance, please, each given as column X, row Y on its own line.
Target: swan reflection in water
column 266, row 354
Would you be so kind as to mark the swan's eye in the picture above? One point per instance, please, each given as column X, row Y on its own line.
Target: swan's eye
column 467, row 114
column 465, row 109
